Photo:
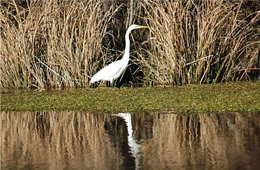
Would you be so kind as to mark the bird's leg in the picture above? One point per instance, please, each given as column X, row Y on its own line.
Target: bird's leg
column 108, row 83
column 111, row 83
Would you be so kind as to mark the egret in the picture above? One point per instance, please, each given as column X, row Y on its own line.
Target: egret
column 112, row 71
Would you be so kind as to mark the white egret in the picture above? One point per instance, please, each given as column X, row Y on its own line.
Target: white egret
column 112, row 71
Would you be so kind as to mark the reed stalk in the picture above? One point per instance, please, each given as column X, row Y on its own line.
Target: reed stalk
column 57, row 44
column 199, row 41
column 52, row 43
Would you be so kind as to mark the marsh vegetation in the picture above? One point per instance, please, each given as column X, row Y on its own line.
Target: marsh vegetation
column 226, row 97
column 59, row 43
column 185, row 63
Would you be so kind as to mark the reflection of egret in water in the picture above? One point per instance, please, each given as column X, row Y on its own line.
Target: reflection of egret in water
column 133, row 145
column 81, row 140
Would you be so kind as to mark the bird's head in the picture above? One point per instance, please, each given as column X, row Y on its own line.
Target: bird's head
column 134, row 26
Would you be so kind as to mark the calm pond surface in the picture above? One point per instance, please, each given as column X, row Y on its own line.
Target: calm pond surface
column 81, row 140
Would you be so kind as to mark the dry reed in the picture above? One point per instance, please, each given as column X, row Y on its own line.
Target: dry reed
column 63, row 43
column 199, row 41
column 52, row 43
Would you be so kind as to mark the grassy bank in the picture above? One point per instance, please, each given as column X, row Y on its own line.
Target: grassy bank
column 225, row 97
column 56, row 44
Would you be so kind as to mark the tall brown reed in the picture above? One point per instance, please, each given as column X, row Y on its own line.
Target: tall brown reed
column 61, row 43
column 52, row 43
column 199, row 41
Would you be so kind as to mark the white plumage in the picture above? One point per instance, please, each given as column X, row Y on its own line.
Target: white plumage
column 112, row 71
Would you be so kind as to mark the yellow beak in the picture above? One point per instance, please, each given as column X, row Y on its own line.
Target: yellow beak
column 140, row 26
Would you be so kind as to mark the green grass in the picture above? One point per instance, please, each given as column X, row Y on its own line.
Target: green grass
column 226, row 97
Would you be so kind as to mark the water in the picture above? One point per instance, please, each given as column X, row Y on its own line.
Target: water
column 80, row 140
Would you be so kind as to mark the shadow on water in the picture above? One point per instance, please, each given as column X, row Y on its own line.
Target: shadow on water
column 80, row 140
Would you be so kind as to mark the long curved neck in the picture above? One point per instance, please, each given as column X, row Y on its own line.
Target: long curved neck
column 127, row 47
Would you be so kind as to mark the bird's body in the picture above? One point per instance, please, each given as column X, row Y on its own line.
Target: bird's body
column 115, row 70
column 112, row 71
